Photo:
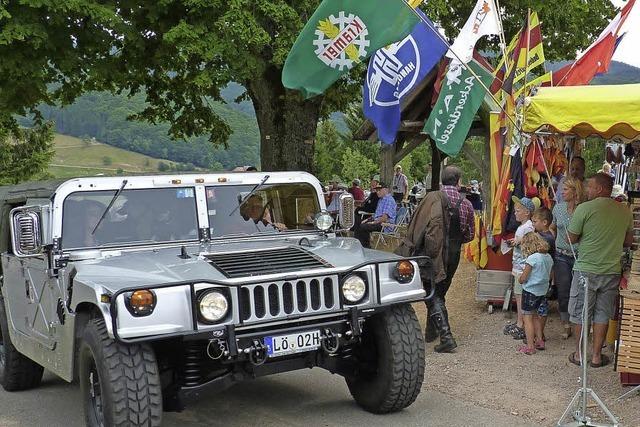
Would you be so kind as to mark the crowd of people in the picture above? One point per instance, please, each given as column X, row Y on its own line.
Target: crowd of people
column 561, row 253
column 439, row 225
column 554, row 251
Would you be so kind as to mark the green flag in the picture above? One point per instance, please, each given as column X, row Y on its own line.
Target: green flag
column 460, row 97
column 340, row 34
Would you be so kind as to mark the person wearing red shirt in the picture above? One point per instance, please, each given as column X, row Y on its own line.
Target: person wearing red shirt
column 356, row 191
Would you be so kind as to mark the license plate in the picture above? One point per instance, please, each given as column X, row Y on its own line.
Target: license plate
column 281, row 345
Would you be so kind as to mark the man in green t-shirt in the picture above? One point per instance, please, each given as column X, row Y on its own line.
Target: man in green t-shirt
column 603, row 227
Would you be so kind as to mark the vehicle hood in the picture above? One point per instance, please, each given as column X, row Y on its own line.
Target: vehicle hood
column 117, row 269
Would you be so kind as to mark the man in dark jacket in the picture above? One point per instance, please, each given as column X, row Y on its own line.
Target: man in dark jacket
column 441, row 223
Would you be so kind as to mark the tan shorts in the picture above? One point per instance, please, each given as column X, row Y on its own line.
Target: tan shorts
column 517, row 286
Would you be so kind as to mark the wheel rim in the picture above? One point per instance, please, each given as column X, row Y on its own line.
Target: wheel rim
column 95, row 394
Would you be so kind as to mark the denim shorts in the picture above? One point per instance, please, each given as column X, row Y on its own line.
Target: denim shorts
column 531, row 303
column 543, row 309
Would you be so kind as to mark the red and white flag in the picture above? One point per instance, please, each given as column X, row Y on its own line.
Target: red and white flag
column 597, row 57
column 483, row 21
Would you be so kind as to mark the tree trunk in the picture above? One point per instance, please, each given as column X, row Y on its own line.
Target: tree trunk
column 287, row 124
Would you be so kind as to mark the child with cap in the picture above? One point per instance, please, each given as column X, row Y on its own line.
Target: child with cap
column 523, row 209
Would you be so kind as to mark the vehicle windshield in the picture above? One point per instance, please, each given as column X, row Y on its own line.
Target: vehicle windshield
column 274, row 208
column 137, row 216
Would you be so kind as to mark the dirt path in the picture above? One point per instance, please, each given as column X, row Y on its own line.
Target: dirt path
column 487, row 371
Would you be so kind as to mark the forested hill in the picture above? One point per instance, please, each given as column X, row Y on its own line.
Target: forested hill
column 104, row 117
column 619, row 73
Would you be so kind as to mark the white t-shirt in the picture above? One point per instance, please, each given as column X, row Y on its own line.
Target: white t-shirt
column 518, row 259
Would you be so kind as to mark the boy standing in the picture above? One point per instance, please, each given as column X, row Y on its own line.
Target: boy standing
column 523, row 209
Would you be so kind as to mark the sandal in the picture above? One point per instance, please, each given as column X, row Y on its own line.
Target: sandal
column 508, row 328
column 604, row 361
column 523, row 349
column 540, row 345
column 518, row 333
column 572, row 359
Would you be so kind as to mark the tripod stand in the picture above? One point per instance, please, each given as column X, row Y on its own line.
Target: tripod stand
column 578, row 405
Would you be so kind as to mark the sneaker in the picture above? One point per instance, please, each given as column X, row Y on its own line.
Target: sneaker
column 523, row 349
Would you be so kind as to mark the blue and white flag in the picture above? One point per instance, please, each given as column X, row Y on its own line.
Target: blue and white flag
column 394, row 71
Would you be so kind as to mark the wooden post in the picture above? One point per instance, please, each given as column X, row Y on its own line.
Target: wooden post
column 436, row 165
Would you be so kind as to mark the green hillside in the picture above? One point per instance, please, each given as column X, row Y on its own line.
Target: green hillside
column 77, row 157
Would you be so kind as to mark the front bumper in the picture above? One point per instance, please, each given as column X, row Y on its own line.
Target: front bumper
column 245, row 358
column 176, row 310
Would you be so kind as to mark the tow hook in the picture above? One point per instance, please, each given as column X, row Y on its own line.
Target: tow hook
column 217, row 348
column 257, row 353
column 330, row 341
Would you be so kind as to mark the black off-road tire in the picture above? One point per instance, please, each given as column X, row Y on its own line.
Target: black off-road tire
column 391, row 363
column 17, row 371
column 127, row 390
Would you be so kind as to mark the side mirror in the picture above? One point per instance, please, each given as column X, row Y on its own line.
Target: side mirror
column 29, row 225
column 346, row 214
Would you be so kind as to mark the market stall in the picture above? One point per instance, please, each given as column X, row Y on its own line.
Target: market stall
column 607, row 111
column 613, row 114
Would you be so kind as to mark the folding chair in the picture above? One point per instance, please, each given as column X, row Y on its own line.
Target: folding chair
column 393, row 230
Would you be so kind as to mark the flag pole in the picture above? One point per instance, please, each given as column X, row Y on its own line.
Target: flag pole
column 503, row 38
column 526, row 59
column 473, row 73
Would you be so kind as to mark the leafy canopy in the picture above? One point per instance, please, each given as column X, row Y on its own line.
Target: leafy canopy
column 180, row 53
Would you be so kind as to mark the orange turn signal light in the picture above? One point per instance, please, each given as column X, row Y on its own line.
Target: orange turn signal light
column 404, row 271
column 141, row 302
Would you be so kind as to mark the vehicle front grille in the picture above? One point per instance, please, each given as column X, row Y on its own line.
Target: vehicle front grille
column 272, row 261
column 267, row 301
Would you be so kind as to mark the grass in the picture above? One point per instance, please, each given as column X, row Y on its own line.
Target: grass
column 75, row 157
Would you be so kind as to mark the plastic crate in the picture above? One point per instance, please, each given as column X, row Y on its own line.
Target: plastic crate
column 491, row 285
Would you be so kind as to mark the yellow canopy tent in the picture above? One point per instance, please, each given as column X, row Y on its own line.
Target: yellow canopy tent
column 607, row 111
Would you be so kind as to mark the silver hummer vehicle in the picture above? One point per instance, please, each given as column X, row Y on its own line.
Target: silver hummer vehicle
column 151, row 289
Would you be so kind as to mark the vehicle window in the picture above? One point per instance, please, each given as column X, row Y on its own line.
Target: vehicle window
column 137, row 216
column 273, row 208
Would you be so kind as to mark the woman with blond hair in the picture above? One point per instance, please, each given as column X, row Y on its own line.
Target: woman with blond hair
column 572, row 196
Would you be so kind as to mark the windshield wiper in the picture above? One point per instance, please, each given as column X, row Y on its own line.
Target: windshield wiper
column 113, row 200
column 251, row 193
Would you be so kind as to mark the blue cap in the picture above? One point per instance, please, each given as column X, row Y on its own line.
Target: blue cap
column 526, row 202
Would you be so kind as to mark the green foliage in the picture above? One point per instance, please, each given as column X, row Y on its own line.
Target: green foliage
column 593, row 154
column 179, row 54
column 163, row 167
column 103, row 116
column 470, row 169
column 357, row 165
column 107, row 161
column 567, row 26
column 25, row 153
column 328, row 149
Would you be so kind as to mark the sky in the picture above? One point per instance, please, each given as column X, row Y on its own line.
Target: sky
column 629, row 49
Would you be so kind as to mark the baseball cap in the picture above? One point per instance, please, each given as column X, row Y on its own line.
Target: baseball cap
column 381, row 185
column 529, row 204
column 617, row 191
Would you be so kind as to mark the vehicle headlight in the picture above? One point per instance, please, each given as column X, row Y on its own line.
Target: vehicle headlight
column 354, row 288
column 213, row 306
column 403, row 271
column 323, row 221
